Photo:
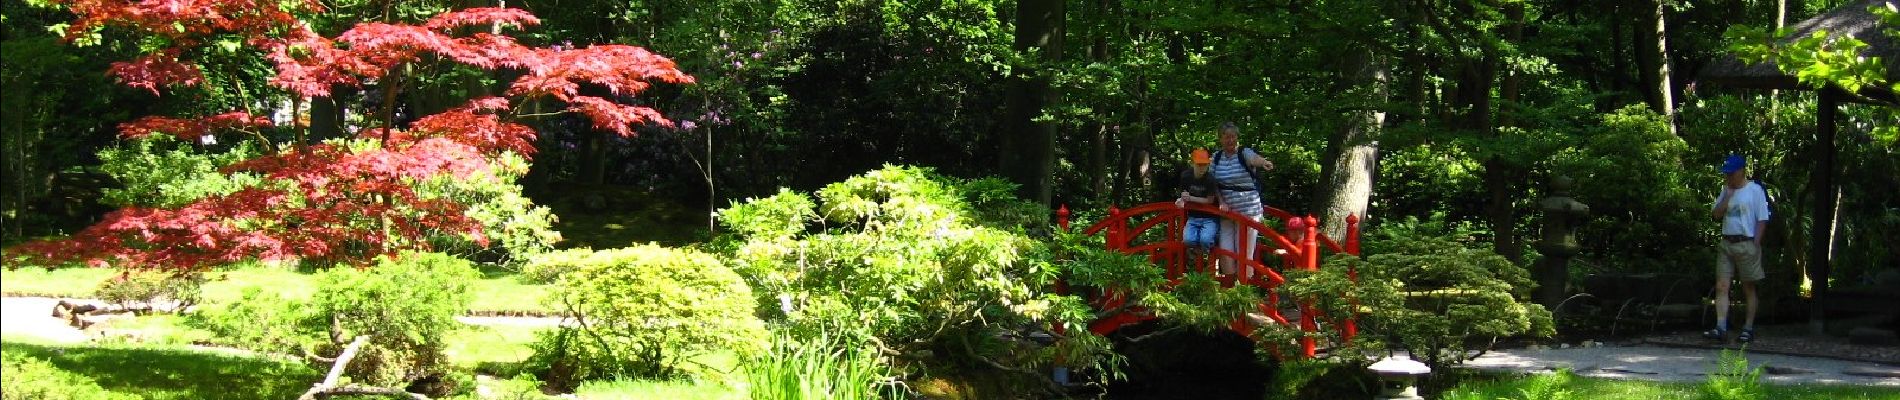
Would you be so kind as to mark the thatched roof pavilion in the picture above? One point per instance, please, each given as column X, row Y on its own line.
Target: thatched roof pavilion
column 1851, row 20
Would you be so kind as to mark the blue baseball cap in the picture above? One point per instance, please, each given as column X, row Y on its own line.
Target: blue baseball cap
column 1733, row 163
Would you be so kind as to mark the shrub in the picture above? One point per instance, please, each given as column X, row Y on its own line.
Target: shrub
column 161, row 171
column 1428, row 292
column 147, row 289
column 407, row 305
column 647, row 312
column 25, row 377
column 547, row 268
column 262, row 321
column 905, row 260
column 515, row 228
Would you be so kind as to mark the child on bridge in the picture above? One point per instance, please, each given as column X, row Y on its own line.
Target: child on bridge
column 1198, row 186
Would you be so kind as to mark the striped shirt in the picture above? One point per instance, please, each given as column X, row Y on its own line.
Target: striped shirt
column 1231, row 172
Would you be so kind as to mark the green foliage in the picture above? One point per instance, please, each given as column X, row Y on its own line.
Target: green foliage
column 824, row 367
column 1733, row 379
column 547, row 268
column 1553, row 386
column 161, row 171
column 155, row 373
column 147, row 289
column 1430, row 293
column 514, row 225
column 261, row 320
column 1631, row 172
column 1321, row 379
column 898, row 258
column 407, row 305
column 647, row 312
column 24, row 377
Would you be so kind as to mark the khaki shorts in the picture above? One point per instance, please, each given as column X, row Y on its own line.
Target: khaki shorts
column 1743, row 257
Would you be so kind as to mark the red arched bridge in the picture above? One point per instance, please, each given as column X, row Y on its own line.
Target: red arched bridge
column 1154, row 229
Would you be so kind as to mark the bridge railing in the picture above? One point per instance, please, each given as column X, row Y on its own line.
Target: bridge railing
column 1155, row 229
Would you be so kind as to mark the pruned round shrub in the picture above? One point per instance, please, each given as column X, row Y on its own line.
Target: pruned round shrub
column 407, row 305
column 146, row 290
column 646, row 312
column 546, row 268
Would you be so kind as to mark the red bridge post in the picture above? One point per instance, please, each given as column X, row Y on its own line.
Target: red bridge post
column 1062, row 217
column 1351, row 327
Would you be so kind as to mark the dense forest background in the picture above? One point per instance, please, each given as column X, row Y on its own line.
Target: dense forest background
column 1456, row 111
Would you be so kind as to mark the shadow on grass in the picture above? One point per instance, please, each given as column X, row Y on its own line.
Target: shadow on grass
column 159, row 373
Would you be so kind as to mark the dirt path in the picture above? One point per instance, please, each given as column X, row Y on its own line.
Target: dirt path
column 1672, row 364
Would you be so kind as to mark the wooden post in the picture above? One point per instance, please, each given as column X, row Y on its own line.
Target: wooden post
column 1309, row 260
column 1821, row 227
column 1351, row 327
column 1062, row 217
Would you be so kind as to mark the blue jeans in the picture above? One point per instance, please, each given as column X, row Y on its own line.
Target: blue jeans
column 1200, row 231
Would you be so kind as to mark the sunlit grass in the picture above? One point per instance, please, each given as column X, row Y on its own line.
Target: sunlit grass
column 170, row 372
column 1561, row 386
column 498, row 291
column 58, row 282
column 671, row 390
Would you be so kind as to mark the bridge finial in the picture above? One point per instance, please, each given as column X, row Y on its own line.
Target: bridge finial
column 1062, row 217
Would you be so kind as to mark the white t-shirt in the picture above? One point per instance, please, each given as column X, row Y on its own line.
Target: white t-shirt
column 1748, row 207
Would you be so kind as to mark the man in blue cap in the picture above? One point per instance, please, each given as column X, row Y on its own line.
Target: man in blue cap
column 1743, row 209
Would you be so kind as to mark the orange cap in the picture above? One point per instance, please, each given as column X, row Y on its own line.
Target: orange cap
column 1200, row 157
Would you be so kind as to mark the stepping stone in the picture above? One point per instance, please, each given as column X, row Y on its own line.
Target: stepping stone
column 1780, row 370
column 1877, row 372
column 1872, row 336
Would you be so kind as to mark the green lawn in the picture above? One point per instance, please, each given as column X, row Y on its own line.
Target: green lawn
column 498, row 291
column 1554, row 386
column 155, row 372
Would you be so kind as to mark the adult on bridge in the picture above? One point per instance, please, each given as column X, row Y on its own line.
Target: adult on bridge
column 1239, row 191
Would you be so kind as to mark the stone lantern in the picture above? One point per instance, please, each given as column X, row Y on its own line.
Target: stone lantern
column 1398, row 377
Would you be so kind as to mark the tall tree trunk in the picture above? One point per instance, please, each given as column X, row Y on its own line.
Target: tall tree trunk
column 1028, row 146
column 1098, row 145
column 1652, row 56
column 1617, row 66
column 1353, row 151
column 1474, row 89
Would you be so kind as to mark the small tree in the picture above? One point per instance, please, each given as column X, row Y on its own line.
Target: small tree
column 1432, row 294
column 921, row 267
column 348, row 200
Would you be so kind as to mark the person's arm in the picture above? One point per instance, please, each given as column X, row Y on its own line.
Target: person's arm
column 1721, row 203
column 1761, row 209
column 1255, row 160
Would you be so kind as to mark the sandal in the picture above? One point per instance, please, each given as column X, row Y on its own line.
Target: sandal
column 1714, row 334
column 1747, row 335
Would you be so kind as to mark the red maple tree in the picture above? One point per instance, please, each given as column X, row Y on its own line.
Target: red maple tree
column 328, row 201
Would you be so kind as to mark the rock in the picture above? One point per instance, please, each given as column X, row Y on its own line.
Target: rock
column 1780, row 370
column 1877, row 372
column 1872, row 336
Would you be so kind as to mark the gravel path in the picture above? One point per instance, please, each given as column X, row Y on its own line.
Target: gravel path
column 1655, row 363
column 33, row 317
